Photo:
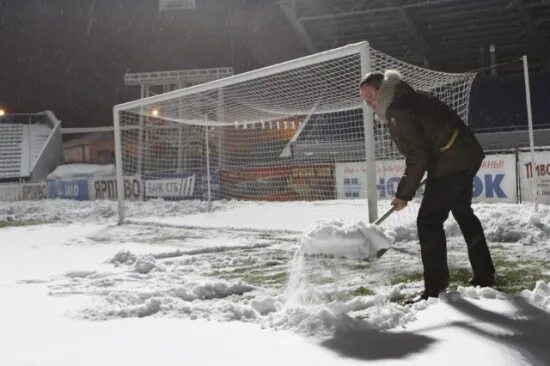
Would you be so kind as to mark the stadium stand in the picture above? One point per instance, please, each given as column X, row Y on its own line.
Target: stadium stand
column 11, row 139
column 498, row 103
column 497, row 116
column 320, row 127
column 30, row 146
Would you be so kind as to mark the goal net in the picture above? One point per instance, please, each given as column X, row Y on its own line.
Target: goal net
column 292, row 131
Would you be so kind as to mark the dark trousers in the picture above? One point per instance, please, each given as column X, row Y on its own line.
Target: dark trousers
column 441, row 195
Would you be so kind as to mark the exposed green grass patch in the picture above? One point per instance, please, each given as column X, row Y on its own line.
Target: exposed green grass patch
column 321, row 280
column 512, row 277
column 407, row 278
column 362, row 291
column 361, row 266
column 274, row 279
column 237, row 271
column 269, row 274
column 459, row 277
column 13, row 223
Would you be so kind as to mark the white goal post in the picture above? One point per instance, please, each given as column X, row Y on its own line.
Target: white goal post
column 283, row 132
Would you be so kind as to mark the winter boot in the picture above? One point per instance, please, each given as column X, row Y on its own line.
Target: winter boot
column 483, row 281
column 424, row 296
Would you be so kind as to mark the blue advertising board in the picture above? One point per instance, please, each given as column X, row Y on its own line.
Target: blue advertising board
column 69, row 188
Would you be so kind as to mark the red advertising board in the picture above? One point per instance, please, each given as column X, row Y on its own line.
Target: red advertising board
column 286, row 183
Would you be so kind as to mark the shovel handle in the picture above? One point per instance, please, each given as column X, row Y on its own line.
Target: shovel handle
column 392, row 209
column 384, row 216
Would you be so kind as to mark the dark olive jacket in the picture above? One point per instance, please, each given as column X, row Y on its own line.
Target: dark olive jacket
column 431, row 136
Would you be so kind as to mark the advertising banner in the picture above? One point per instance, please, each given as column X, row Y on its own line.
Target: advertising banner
column 69, row 188
column 304, row 182
column 24, row 191
column 106, row 188
column 351, row 179
column 528, row 172
column 10, row 192
column 258, row 183
column 34, row 191
column 182, row 185
column 495, row 181
column 313, row 182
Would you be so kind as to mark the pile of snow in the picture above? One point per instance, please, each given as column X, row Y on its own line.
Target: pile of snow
column 121, row 305
column 145, row 264
column 64, row 210
column 79, row 273
column 208, row 300
column 540, row 295
column 480, row 292
column 266, row 305
column 355, row 240
column 171, row 212
column 510, row 223
column 219, row 290
column 404, row 233
column 123, row 257
column 324, row 318
column 142, row 263
column 58, row 210
column 82, row 171
column 516, row 223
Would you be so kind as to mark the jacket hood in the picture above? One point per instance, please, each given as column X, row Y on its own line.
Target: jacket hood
column 391, row 88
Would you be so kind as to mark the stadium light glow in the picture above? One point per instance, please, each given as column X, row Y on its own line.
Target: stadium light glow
column 155, row 112
column 2, row 112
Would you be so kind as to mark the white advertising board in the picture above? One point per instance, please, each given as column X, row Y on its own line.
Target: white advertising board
column 106, row 188
column 170, row 187
column 24, row 191
column 495, row 181
column 10, row 192
column 527, row 172
column 351, row 179
column 34, row 191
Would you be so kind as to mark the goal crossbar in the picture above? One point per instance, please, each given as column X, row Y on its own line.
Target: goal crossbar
column 247, row 76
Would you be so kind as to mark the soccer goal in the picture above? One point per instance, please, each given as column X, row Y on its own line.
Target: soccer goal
column 297, row 130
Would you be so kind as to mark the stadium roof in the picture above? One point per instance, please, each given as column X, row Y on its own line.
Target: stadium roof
column 446, row 34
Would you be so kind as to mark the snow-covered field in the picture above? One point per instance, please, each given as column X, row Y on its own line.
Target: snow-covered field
column 179, row 285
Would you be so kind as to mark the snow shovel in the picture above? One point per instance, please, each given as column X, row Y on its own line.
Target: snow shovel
column 385, row 216
column 350, row 240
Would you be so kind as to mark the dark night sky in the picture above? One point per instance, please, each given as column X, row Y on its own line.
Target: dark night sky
column 70, row 56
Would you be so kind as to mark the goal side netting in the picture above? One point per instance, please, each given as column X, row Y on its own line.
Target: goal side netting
column 292, row 131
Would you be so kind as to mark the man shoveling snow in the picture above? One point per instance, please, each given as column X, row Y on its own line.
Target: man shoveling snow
column 433, row 139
